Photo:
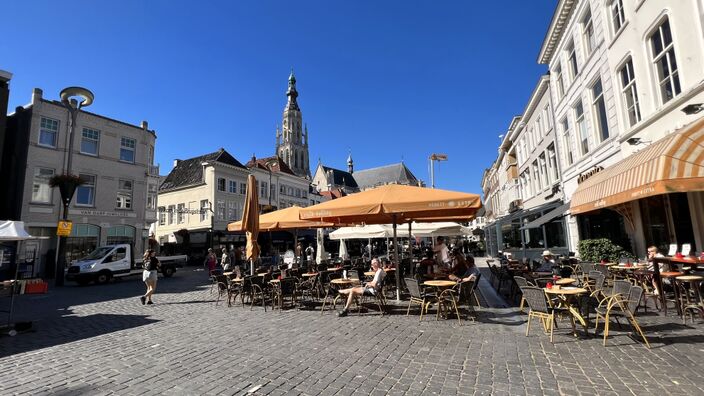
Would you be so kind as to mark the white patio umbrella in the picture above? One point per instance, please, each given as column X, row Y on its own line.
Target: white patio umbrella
column 440, row 229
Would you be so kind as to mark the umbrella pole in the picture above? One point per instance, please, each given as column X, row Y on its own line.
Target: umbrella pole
column 410, row 250
column 398, row 269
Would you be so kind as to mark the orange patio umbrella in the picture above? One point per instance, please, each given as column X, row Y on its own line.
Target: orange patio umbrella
column 282, row 219
column 395, row 204
column 250, row 221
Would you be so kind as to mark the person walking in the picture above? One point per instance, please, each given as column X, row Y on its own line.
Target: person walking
column 210, row 261
column 225, row 260
column 310, row 254
column 149, row 275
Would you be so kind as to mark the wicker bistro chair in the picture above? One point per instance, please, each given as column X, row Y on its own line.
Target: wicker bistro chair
column 521, row 282
column 221, row 285
column 307, row 289
column 540, row 309
column 253, row 288
column 619, row 307
column 287, row 288
column 419, row 296
column 464, row 293
column 330, row 289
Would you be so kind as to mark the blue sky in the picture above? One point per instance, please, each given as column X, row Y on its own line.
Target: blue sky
column 388, row 80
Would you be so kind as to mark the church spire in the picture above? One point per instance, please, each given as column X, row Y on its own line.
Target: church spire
column 350, row 163
column 292, row 93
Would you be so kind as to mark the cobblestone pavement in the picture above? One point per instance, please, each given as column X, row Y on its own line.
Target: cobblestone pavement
column 101, row 340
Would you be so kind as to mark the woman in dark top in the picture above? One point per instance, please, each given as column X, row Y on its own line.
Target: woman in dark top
column 149, row 275
column 426, row 265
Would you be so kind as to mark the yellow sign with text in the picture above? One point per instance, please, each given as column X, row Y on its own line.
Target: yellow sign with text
column 63, row 228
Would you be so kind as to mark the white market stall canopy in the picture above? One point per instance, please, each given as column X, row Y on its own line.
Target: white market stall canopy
column 14, row 231
column 386, row 231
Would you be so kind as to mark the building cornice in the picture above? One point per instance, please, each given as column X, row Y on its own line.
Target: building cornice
column 538, row 91
column 559, row 22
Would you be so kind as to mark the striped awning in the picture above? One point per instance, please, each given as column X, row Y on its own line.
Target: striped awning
column 674, row 163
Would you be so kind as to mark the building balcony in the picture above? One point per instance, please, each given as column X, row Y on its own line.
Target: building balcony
column 153, row 170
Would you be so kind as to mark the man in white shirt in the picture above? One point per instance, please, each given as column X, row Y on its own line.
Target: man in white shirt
column 370, row 288
column 442, row 252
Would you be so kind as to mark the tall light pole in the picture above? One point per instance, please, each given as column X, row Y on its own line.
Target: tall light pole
column 435, row 157
column 68, row 184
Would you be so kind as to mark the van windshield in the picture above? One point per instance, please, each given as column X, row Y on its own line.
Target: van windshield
column 98, row 253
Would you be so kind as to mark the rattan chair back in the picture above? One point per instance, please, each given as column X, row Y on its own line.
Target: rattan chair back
column 535, row 298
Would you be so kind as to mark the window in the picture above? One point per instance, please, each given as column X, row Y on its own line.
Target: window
column 221, row 210
column 180, row 213
column 558, row 81
column 231, row 210
column 272, row 190
column 41, row 191
column 204, row 205
column 162, row 215
column 124, row 194
column 264, row 189
column 588, row 32
column 538, row 129
column 537, row 177
column 618, row 18
column 602, row 120
column 543, row 171
column 85, row 193
column 243, row 188
column 548, row 117
column 581, row 128
column 151, row 196
column 127, row 148
column 572, row 60
column 552, row 157
column 172, row 213
column 89, row 141
column 665, row 62
column 567, row 139
column 48, row 132
column 630, row 93
column 232, row 186
column 221, row 184
column 282, row 189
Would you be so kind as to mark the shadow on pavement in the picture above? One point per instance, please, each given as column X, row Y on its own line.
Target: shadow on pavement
column 68, row 328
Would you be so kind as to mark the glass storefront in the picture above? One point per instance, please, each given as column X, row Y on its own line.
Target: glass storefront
column 121, row 234
column 662, row 227
column 83, row 240
column 604, row 223
column 511, row 234
column 533, row 237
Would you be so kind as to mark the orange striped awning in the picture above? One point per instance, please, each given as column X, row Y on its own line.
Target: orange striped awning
column 674, row 163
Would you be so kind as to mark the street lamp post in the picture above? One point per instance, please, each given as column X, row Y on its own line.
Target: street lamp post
column 435, row 157
column 67, row 183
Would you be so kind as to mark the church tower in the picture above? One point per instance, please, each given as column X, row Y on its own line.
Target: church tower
column 292, row 138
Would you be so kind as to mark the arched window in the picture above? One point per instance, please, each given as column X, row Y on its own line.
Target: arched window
column 121, row 234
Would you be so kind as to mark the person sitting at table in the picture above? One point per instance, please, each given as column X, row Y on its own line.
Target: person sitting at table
column 459, row 265
column 369, row 289
column 548, row 262
column 653, row 253
column 426, row 265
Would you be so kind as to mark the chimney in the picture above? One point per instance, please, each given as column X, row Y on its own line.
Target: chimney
column 176, row 162
column 145, row 125
column 37, row 95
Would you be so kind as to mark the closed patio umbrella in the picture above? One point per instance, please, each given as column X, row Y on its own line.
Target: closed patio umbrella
column 343, row 251
column 320, row 254
column 394, row 204
column 250, row 221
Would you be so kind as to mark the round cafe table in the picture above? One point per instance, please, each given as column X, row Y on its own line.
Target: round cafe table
column 309, row 274
column 566, row 296
column 443, row 309
column 565, row 281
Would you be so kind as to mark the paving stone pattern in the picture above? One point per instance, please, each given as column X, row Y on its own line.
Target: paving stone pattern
column 99, row 340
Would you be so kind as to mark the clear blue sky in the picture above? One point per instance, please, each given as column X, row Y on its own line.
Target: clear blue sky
column 389, row 80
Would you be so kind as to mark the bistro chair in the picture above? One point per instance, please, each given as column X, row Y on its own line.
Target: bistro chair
column 379, row 297
column 330, row 290
column 620, row 307
column 252, row 287
column 286, row 288
column 418, row 296
column 220, row 282
column 540, row 309
column 465, row 292
column 521, row 282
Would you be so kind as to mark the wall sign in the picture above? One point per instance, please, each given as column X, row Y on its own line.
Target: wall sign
column 586, row 175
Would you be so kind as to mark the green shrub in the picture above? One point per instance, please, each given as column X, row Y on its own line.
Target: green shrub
column 596, row 250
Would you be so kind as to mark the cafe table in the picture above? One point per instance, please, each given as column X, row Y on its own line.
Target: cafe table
column 440, row 286
column 339, row 284
column 670, row 262
column 566, row 297
column 565, row 281
column 309, row 274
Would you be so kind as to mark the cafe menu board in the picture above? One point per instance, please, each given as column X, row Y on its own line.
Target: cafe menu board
column 673, row 250
column 686, row 249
